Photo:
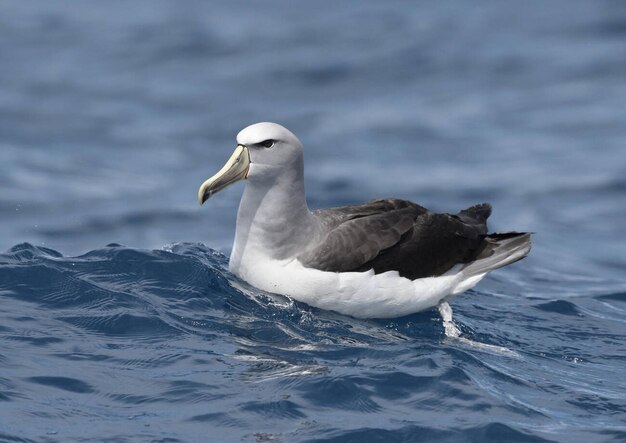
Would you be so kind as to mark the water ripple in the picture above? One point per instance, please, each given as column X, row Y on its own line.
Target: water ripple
column 174, row 326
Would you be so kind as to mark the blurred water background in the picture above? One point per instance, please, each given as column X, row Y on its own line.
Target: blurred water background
column 119, row 321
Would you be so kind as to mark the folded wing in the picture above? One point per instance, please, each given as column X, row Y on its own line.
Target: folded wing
column 397, row 235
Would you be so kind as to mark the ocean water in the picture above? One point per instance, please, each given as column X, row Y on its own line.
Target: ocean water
column 119, row 320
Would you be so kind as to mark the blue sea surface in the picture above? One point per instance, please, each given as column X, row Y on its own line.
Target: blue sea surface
column 119, row 319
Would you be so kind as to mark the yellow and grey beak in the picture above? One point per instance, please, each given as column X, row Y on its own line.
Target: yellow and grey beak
column 235, row 169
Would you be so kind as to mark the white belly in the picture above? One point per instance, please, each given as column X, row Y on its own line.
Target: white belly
column 358, row 294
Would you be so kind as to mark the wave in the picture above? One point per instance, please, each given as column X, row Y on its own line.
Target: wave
column 136, row 331
column 183, row 288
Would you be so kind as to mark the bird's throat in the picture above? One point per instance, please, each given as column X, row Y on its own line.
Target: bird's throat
column 273, row 221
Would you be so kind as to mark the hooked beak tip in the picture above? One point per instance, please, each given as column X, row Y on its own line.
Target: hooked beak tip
column 235, row 169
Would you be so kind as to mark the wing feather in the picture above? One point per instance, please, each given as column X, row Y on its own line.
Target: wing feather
column 397, row 235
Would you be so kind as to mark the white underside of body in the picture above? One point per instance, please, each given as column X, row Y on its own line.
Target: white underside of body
column 358, row 294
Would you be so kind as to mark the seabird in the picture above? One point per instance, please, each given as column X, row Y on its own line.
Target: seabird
column 380, row 259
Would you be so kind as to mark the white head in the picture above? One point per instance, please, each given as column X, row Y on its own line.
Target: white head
column 270, row 145
column 264, row 151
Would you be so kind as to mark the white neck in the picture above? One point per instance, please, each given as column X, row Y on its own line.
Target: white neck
column 274, row 220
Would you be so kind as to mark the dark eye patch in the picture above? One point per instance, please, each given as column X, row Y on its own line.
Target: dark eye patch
column 267, row 143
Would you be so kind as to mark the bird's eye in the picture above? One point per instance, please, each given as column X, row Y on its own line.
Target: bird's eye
column 267, row 143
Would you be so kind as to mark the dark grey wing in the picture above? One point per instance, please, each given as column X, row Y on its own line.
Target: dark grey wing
column 357, row 234
column 435, row 244
column 398, row 235
column 336, row 216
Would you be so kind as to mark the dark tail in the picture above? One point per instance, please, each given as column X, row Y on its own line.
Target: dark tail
column 499, row 250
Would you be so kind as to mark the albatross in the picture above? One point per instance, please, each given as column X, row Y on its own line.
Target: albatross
column 380, row 259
